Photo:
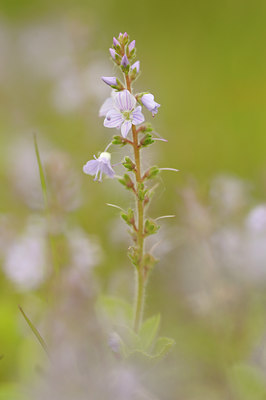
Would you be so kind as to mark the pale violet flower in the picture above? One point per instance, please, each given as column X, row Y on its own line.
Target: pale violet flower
column 100, row 166
column 107, row 105
column 135, row 65
column 123, row 113
column 149, row 103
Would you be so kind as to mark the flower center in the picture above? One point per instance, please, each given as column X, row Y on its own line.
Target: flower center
column 126, row 114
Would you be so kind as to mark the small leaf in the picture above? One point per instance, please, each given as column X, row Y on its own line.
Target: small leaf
column 162, row 347
column 148, row 331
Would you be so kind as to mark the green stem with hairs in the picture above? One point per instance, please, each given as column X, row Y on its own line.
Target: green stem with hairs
column 140, row 281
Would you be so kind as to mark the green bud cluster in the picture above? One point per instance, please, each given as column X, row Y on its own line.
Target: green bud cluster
column 119, row 140
column 150, row 227
column 146, row 140
column 129, row 217
column 151, row 173
column 129, row 164
column 127, row 182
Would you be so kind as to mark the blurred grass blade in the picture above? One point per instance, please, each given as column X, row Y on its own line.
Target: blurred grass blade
column 35, row 331
column 45, row 199
column 41, row 172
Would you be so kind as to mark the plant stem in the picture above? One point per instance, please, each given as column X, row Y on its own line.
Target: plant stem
column 140, row 281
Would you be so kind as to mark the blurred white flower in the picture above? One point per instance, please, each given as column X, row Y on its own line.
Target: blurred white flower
column 25, row 262
column 85, row 251
column 256, row 219
column 229, row 194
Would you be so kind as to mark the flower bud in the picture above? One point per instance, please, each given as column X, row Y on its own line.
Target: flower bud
column 110, row 80
column 127, row 182
column 129, row 164
column 151, row 173
column 150, row 227
column 116, row 42
column 113, row 53
column 119, row 140
column 136, row 66
column 115, row 56
column 124, row 61
column 113, row 82
column 131, row 45
column 146, row 140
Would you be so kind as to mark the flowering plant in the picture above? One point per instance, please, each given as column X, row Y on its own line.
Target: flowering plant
column 123, row 110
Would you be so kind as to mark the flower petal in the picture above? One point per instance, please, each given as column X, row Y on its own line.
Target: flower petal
column 124, row 101
column 107, row 106
column 113, row 119
column 125, row 128
column 137, row 116
column 91, row 167
column 107, row 169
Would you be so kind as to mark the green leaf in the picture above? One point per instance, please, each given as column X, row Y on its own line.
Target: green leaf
column 248, row 382
column 162, row 347
column 148, row 331
column 35, row 331
column 115, row 309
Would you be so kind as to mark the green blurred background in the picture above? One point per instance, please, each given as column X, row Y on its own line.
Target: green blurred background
column 205, row 62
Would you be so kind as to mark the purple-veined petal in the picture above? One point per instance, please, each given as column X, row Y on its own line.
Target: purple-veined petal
column 124, row 101
column 113, row 119
column 125, row 128
column 106, row 106
column 90, row 168
column 137, row 116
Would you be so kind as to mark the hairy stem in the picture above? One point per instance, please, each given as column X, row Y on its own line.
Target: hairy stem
column 140, row 281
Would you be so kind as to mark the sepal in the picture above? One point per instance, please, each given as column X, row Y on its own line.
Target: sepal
column 127, row 182
column 147, row 140
column 150, row 227
column 119, row 140
column 129, row 164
